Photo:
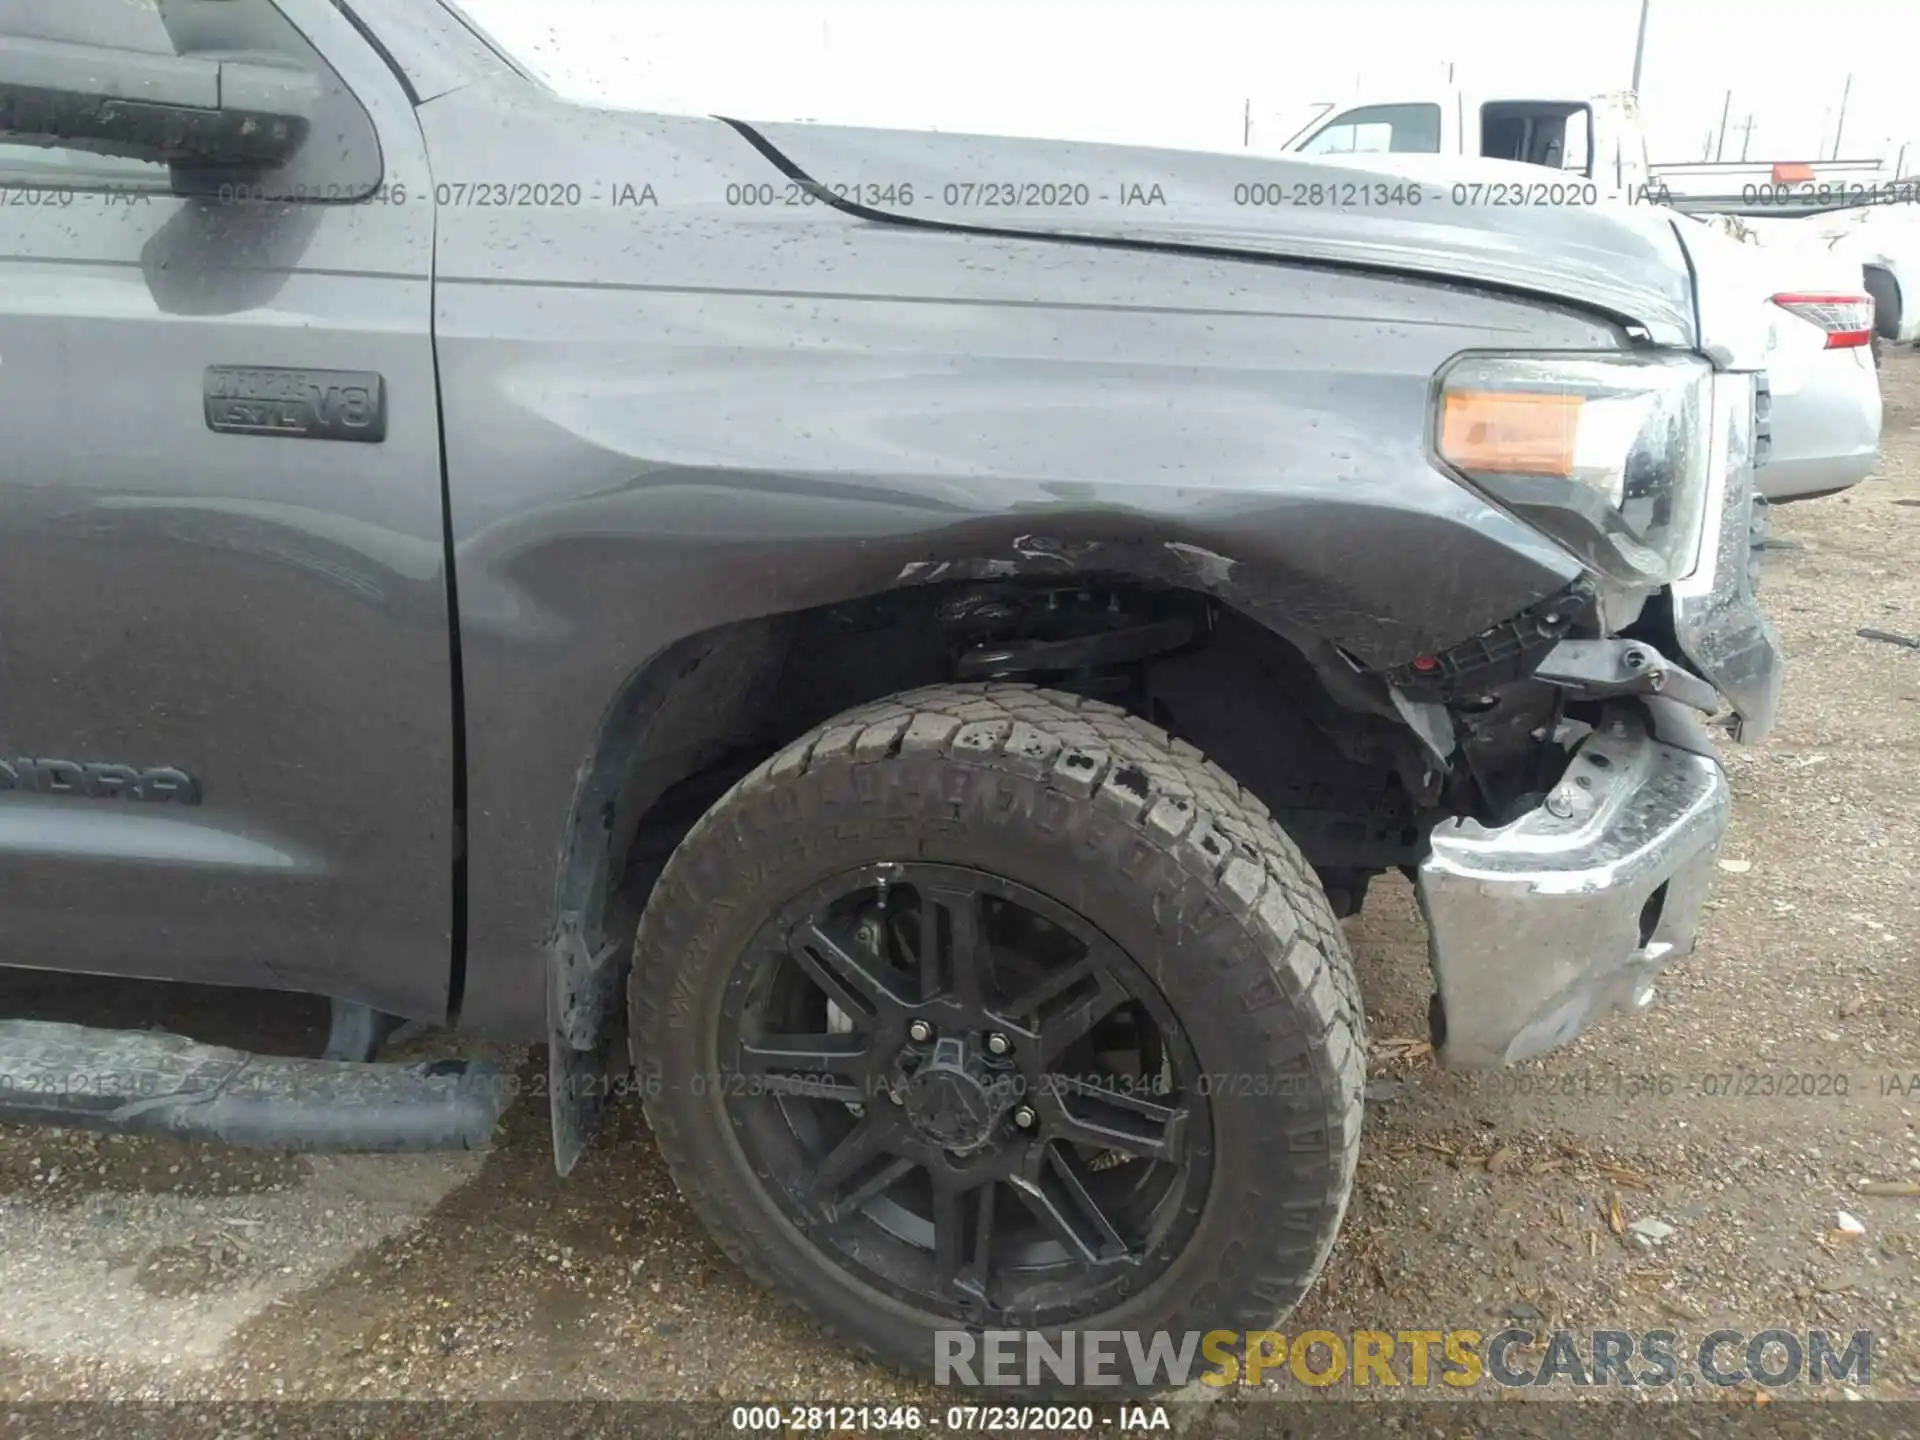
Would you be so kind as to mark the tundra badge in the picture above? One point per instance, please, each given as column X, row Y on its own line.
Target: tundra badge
column 296, row 404
column 96, row 780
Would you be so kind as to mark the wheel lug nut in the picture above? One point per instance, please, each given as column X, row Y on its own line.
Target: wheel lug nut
column 1023, row 1117
column 920, row 1032
column 998, row 1044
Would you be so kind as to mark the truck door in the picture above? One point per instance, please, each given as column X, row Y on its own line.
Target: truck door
column 226, row 739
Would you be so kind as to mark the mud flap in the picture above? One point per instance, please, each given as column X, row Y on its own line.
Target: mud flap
column 586, row 1038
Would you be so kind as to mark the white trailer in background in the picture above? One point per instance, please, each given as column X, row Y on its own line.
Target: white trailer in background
column 1776, row 188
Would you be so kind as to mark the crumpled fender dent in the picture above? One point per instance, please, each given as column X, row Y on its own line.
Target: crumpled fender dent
column 1308, row 609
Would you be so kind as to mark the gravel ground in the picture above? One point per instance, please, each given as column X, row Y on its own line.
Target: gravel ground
column 143, row 1270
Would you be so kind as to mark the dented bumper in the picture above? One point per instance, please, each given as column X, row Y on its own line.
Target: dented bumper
column 1541, row 926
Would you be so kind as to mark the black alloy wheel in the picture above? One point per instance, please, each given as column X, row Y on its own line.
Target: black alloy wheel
column 965, row 1093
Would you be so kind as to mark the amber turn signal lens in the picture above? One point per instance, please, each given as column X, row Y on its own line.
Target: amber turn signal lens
column 1508, row 432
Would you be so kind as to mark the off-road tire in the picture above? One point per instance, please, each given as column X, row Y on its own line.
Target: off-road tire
column 1134, row 830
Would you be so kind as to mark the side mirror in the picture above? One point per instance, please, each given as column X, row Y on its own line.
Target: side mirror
column 189, row 111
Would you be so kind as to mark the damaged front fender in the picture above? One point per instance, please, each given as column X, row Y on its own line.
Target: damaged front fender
column 776, row 410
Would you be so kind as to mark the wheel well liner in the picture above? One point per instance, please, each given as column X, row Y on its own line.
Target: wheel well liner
column 696, row 717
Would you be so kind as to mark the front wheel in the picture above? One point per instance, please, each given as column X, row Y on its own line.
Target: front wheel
column 986, row 1007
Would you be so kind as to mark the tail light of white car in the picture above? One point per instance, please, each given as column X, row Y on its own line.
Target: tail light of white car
column 1847, row 319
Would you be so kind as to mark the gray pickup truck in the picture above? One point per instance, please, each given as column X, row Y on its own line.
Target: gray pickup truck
column 894, row 650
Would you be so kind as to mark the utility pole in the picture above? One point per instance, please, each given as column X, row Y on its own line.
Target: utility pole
column 1746, row 135
column 1720, row 145
column 1640, row 45
column 1841, row 123
column 1246, row 124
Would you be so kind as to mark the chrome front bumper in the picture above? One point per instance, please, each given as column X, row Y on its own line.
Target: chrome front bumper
column 1539, row 927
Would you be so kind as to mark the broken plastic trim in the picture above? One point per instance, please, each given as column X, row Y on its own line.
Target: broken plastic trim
column 1502, row 653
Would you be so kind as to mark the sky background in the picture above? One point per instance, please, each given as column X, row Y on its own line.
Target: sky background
column 1180, row 72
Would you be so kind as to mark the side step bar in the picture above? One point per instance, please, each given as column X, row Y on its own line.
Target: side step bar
column 138, row 1082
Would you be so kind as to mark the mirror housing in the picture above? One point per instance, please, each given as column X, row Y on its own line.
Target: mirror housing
column 193, row 112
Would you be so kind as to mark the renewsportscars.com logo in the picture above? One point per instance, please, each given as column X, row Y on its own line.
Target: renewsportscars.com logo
column 1419, row 1359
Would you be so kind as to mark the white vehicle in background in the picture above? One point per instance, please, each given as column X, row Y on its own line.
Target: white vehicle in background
column 1885, row 241
column 1820, row 363
column 1830, row 437
column 1819, row 292
column 1598, row 136
column 1881, row 237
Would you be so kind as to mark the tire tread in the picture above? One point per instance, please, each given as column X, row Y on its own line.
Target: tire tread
column 1175, row 800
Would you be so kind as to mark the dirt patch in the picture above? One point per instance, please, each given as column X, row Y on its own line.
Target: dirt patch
column 197, row 1267
column 139, row 1288
column 52, row 1167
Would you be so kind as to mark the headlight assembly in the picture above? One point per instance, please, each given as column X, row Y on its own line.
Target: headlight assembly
column 1607, row 454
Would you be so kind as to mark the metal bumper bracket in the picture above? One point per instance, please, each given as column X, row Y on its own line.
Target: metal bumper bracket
column 1597, row 669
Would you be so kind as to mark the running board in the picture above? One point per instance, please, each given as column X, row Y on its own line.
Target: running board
column 137, row 1082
